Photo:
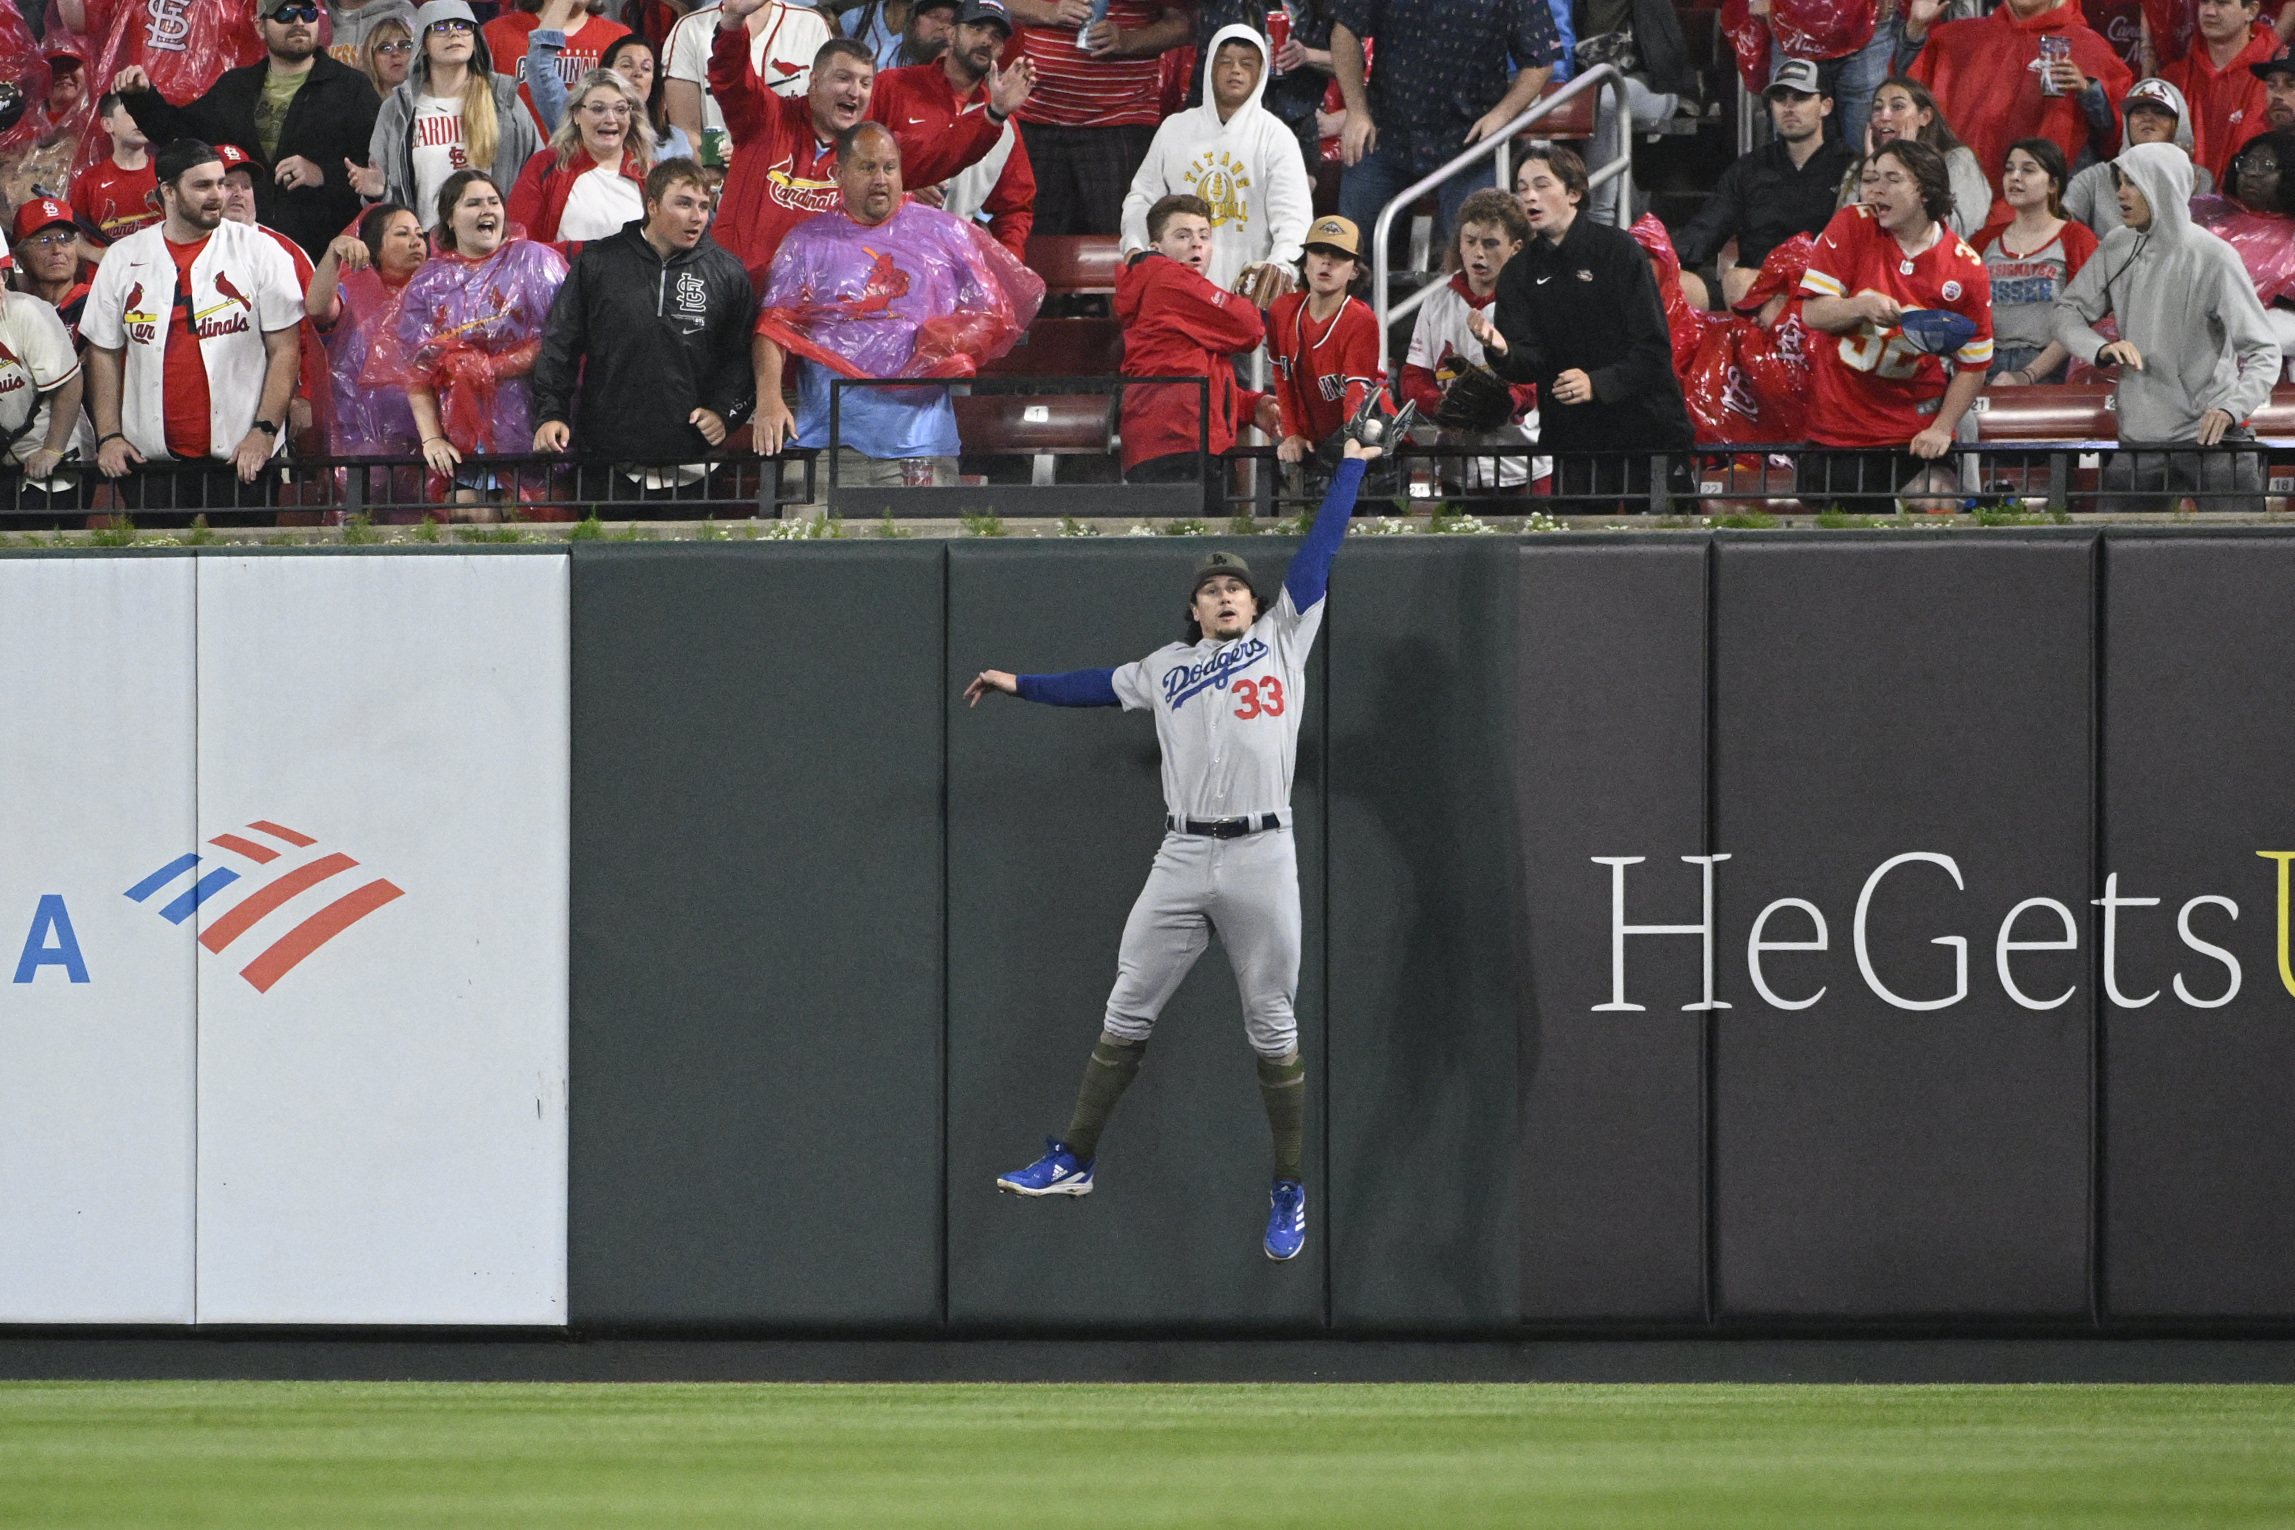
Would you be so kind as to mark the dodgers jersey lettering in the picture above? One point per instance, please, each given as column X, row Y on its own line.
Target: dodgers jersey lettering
column 1227, row 714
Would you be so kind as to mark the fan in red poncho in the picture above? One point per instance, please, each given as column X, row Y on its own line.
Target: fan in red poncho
column 182, row 49
column 1684, row 321
column 2218, row 80
column 885, row 288
column 1987, row 76
column 1818, row 30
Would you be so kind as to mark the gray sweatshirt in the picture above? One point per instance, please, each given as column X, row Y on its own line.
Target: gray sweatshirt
column 392, row 150
column 2182, row 298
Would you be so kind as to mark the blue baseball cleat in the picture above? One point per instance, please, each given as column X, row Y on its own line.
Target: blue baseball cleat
column 1286, row 1219
column 1056, row 1173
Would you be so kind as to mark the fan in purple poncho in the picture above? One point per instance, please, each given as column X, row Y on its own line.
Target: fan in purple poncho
column 885, row 288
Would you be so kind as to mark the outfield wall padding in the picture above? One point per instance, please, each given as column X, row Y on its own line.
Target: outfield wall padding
column 757, row 913
column 836, row 945
column 2198, row 1138
column 1870, row 701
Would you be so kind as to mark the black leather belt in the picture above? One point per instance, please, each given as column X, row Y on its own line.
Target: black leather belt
column 1225, row 828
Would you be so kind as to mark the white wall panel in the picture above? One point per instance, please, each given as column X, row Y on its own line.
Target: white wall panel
column 96, row 1098
column 382, row 1051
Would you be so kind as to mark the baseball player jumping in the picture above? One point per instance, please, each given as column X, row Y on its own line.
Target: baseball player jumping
column 1227, row 709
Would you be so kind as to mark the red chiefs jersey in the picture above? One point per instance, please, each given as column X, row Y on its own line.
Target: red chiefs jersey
column 1323, row 368
column 1871, row 387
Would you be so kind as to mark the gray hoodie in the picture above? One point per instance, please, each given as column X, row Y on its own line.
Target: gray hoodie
column 2183, row 300
column 392, row 150
column 2090, row 199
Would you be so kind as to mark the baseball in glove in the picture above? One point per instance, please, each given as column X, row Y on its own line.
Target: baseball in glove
column 1476, row 400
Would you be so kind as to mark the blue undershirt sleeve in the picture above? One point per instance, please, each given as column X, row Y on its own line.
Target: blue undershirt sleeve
column 1075, row 688
column 1310, row 574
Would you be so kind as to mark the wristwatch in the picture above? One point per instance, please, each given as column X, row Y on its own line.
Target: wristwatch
column 268, row 427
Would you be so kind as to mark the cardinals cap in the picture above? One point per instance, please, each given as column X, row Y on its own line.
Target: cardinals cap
column 2158, row 93
column 236, row 158
column 37, row 214
column 1337, row 235
column 2271, row 66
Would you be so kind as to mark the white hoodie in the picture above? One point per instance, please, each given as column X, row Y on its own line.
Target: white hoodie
column 1247, row 168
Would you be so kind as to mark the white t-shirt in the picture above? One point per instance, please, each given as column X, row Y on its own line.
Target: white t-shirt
column 438, row 153
column 601, row 201
column 36, row 355
column 781, row 51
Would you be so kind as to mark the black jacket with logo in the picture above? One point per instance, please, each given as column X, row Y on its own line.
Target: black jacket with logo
column 645, row 342
column 330, row 120
column 1591, row 304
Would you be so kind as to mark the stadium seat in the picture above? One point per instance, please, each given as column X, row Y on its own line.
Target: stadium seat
column 1038, row 425
column 1063, row 348
column 1074, row 263
column 2063, row 412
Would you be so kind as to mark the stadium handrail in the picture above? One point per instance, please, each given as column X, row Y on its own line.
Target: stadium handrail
column 1499, row 144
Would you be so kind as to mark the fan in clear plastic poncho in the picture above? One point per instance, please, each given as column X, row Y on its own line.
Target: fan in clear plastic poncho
column 885, row 288
column 465, row 333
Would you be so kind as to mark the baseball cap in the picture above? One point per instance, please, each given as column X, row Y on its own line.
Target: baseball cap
column 2157, row 93
column 1798, row 75
column 236, row 158
column 1938, row 331
column 2283, row 64
column 1336, row 234
column 1221, row 563
column 977, row 11
column 37, row 214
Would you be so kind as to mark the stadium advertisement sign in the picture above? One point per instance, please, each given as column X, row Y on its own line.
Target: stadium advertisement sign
column 286, row 1019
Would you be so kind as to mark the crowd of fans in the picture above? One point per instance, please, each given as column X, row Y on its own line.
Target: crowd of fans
column 638, row 233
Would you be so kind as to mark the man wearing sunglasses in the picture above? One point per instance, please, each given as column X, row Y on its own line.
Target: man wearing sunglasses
column 297, row 110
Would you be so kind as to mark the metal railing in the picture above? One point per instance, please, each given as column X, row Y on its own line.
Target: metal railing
column 1498, row 145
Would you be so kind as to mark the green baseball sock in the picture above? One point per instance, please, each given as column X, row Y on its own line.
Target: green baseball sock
column 1283, row 1085
column 1113, row 1066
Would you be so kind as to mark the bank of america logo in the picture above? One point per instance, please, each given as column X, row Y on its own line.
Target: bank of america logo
column 283, row 955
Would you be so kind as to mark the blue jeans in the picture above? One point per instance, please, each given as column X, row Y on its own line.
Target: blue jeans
column 1852, row 79
column 1388, row 171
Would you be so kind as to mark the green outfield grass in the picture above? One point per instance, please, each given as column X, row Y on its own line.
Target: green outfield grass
column 323, row 1454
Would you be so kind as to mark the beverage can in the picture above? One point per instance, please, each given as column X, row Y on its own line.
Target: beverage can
column 1278, row 32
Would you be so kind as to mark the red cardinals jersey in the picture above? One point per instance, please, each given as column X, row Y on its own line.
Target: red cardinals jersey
column 1323, row 368
column 1870, row 386
column 116, row 202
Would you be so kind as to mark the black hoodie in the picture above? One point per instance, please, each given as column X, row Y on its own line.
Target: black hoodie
column 1591, row 304
column 650, row 341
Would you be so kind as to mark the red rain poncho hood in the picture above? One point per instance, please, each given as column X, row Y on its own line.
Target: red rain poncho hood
column 1984, row 77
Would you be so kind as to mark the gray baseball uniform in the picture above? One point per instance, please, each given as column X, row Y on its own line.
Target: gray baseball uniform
column 1227, row 718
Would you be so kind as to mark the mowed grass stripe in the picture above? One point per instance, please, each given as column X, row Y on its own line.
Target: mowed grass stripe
column 1009, row 1457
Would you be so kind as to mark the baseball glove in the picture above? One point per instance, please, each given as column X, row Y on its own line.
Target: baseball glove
column 1262, row 284
column 1476, row 400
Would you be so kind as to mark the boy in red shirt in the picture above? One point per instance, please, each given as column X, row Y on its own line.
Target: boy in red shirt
column 119, row 193
column 1874, row 381
column 1176, row 324
column 1324, row 340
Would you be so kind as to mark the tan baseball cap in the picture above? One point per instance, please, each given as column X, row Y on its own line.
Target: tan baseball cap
column 1336, row 234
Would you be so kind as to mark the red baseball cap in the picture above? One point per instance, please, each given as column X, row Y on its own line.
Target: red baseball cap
column 236, row 158
column 37, row 214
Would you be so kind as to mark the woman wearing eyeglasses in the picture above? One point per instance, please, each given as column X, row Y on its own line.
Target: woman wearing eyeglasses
column 387, row 54
column 355, row 23
column 590, row 181
column 297, row 110
column 452, row 113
